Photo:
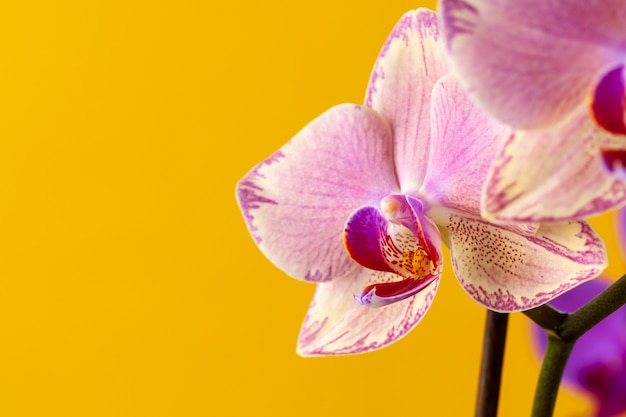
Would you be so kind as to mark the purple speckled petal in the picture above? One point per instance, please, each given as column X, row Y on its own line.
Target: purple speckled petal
column 554, row 175
column 530, row 63
column 295, row 203
column 506, row 272
column 411, row 61
column 609, row 101
column 465, row 143
column 597, row 363
column 337, row 325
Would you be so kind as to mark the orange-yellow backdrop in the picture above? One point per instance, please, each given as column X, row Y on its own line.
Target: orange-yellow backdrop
column 129, row 285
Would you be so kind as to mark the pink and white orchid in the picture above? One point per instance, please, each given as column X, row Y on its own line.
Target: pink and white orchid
column 554, row 72
column 362, row 198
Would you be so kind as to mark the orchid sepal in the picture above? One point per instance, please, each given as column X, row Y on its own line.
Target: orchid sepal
column 555, row 175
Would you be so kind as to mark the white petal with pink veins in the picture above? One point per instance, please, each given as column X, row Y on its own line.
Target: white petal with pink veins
column 295, row 203
column 337, row 325
column 410, row 63
column 464, row 145
column 555, row 174
column 505, row 271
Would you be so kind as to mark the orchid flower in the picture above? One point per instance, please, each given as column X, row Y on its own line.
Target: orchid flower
column 361, row 200
column 554, row 72
column 597, row 364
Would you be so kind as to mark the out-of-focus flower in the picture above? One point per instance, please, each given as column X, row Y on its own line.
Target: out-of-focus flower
column 554, row 72
column 359, row 199
column 547, row 60
column 597, row 364
column 621, row 231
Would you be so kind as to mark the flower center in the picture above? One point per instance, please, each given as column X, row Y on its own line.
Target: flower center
column 397, row 239
column 417, row 262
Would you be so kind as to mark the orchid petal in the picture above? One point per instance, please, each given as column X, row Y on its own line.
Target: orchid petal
column 554, row 175
column 606, row 381
column 337, row 325
column 597, row 363
column 295, row 203
column 411, row 61
column 532, row 63
column 464, row 144
column 506, row 271
column 455, row 178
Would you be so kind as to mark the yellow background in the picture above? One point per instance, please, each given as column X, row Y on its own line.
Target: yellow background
column 129, row 284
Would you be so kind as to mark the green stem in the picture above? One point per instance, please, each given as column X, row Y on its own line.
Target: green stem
column 563, row 332
column 491, row 364
column 552, row 369
column 596, row 310
column 546, row 316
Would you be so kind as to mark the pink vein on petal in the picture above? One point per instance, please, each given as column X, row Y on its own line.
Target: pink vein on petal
column 507, row 272
column 591, row 256
column 456, row 25
column 401, row 31
column 247, row 194
column 311, row 329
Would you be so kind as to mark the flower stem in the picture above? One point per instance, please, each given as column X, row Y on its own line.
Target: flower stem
column 563, row 331
column 596, row 310
column 491, row 364
column 552, row 369
column 547, row 317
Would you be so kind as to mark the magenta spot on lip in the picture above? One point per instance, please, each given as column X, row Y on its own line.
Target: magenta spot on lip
column 608, row 101
column 614, row 161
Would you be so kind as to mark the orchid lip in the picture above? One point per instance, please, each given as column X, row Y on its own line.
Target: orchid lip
column 614, row 162
column 382, row 294
column 608, row 102
column 396, row 238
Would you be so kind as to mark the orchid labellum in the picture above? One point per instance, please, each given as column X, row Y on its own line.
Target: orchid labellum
column 554, row 72
column 361, row 200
